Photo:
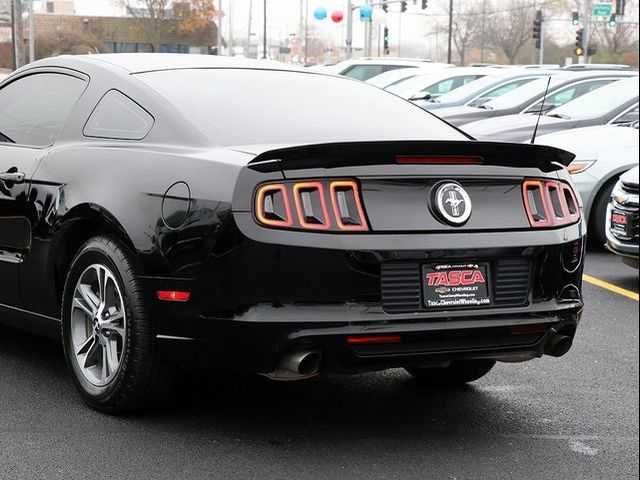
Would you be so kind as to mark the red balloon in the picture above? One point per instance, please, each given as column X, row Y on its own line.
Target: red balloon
column 337, row 16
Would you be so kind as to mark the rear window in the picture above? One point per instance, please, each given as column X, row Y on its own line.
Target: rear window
column 252, row 107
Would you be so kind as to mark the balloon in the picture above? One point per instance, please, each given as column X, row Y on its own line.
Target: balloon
column 365, row 12
column 320, row 13
column 337, row 16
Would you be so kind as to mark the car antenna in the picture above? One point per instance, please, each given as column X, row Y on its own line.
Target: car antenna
column 535, row 130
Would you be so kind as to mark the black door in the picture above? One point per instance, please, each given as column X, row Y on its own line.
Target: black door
column 33, row 111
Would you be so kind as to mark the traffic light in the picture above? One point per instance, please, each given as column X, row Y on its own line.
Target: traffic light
column 575, row 18
column 386, row 41
column 425, row 4
column 620, row 4
column 613, row 22
column 580, row 42
column 537, row 29
column 403, row 7
column 385, row 7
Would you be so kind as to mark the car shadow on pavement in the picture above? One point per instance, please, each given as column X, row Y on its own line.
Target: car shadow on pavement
column 325, row 409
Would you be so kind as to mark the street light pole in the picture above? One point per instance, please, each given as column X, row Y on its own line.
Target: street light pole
column 450, row 31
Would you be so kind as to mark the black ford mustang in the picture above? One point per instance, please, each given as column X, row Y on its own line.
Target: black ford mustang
column 167, row 211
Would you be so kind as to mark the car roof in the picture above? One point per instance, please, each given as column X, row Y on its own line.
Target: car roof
column 149, row 62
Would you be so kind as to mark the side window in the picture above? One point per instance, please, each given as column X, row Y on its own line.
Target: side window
column 499, row 91
column 363, row 72
column 566, row 95
column 627, row 118
column 509, row 87
column 34, row 109
column 118, row 117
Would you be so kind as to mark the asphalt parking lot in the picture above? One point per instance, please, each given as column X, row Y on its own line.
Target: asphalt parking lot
column 569, row 418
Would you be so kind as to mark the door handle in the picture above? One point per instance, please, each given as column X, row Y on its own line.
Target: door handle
column 12, row 177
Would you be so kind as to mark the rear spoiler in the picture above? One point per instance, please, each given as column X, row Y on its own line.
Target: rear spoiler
column 334, row 155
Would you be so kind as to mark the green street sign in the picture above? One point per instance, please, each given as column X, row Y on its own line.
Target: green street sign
column 602, row 9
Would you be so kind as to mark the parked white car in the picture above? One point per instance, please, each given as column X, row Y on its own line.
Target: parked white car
column 392, row 77
column 603, row 154
column 365, row 68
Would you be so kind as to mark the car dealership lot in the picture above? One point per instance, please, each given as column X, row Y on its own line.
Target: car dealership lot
column 575, row 417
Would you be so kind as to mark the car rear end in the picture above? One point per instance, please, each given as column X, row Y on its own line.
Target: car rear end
column 352, row 259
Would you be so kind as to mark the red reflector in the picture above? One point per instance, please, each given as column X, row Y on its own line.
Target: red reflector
column 527, row 330
column 171, row 296
column 429, row 160
column 374, row 339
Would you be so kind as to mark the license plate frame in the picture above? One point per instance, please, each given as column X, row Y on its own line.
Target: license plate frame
column 456, row 285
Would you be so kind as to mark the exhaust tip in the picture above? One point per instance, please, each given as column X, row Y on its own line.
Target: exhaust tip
column 558, row 345
column 298, row 365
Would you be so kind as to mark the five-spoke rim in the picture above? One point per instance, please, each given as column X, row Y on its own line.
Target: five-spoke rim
column 98, row 325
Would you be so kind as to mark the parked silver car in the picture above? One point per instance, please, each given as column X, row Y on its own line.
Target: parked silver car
column 602, row 154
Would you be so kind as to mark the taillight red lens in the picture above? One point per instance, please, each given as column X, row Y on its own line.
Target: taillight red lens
column 272, row 206
column 549, row 203
column 347, row 206
column 310, row 209
column 311, row 205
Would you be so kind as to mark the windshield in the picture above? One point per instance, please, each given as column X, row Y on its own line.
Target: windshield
column 410, row 83
column 599, row 102
column 522, row 94
column 252, row 107
column 472, row 88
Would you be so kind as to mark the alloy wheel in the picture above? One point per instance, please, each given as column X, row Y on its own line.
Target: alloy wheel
column 98, row 325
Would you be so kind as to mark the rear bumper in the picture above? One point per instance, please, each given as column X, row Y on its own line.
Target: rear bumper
column 256, row 345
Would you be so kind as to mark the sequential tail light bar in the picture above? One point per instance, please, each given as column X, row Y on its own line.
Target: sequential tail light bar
column 318, row 205
column 550, row 203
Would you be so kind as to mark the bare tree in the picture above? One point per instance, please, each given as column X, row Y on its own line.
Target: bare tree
column 510, row 28
column 466, row 29
column 152, row 18
column 157, row 19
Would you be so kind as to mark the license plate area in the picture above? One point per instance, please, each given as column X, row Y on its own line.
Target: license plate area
column 456, row 285
column 621, row 223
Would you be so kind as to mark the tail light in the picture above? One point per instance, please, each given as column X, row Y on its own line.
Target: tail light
column 328, row 205
column 550, row 203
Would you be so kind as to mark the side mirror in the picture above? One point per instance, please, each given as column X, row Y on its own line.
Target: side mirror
column 421, row 96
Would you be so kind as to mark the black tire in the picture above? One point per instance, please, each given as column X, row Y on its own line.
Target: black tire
column 459, row 372
column 598, row 220
column 142, row 379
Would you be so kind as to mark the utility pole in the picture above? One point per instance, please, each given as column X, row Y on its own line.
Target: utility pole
column 542, row 28
column 248, row 52
column 230, row 39
column 32, row 34
column 349, row 41
column 449, row 41
column 306, row 32
column 264, row 32
column 484, row 18
column 400, row 34
column 588, row 10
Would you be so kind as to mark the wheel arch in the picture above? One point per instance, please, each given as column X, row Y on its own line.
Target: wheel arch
column 80, row 224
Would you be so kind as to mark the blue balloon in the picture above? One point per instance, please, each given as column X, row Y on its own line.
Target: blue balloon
column 320, row 13
column 365, row 12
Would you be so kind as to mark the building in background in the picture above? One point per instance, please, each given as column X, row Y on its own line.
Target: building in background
column 56, row 7
column 58, row 31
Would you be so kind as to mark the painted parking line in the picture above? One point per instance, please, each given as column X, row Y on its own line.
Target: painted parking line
column 611, row 287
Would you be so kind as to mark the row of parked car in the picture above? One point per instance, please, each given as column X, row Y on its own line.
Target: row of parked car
column 591, row 111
